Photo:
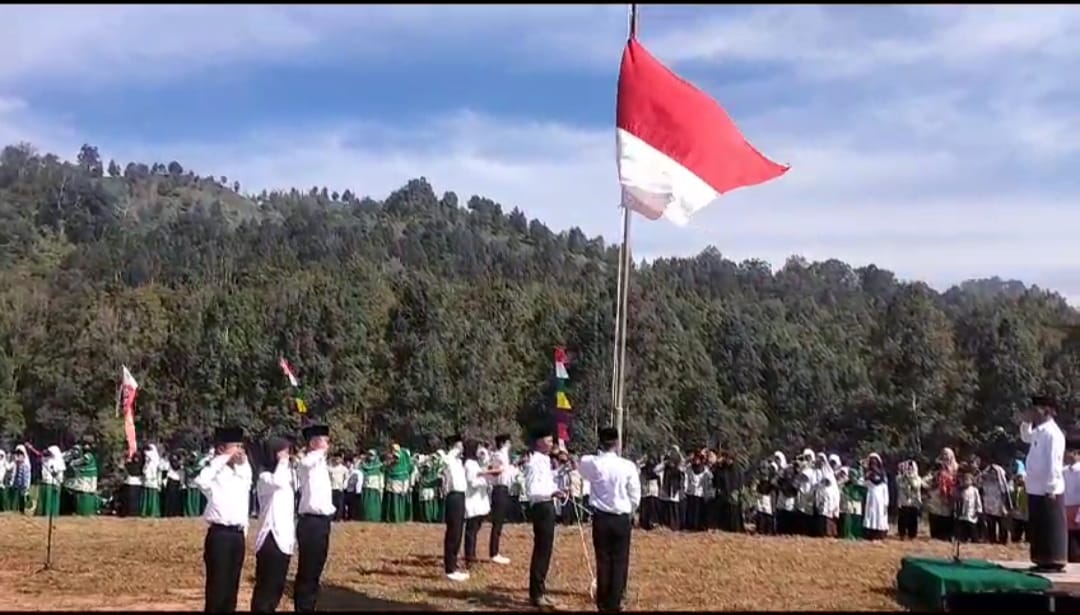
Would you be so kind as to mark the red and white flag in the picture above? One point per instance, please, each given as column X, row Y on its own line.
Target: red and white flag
column 289, row 373
column 128, row 389
column 678, row 150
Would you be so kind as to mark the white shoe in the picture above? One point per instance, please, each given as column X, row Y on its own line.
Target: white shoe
column 458, row 576
column 498, row 559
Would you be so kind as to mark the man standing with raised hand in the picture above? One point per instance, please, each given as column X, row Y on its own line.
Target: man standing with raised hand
column 500, row 495
column 1045, row 486
column 615, row 493
column 540, row 490
column 277, row 531
column 316, row 511
column 225, row 481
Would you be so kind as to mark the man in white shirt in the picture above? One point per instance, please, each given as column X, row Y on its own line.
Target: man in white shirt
column 614, row 493
column 453, row 508
column 225, row 481
column 1045, row 485
column 277, row 527
column 1071, row 475
column 500, row 495
column 316, row 510
column 540, row 490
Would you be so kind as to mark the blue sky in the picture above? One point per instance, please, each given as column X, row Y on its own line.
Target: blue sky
column 942, row 142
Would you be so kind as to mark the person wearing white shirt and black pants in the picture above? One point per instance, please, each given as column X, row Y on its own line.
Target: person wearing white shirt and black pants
column 477, row 498
column 502, row 477
column 455, row 485
column 226, row 482
column 316, row 511
column 615, row 493
column 277, row 527
column 540, row 490
column 1045, row 484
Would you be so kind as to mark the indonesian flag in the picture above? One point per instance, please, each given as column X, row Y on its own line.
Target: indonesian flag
column 563, row 410
column 678, row 150
column 128, row 389
column 288, row 371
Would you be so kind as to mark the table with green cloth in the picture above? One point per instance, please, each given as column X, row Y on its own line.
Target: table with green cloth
column 929, row 581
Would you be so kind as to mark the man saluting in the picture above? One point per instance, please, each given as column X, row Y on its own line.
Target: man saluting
column 614, row 493
column 1045, row 485
column 226, row 482
column 541, row 490
column 316, row 510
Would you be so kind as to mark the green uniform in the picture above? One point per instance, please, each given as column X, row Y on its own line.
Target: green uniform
column 398, row 507
column 852, row 501
column 82, row 481
column 150, row 499
column 428, row 500
column 194, row 500
column 371, row 491
column 48, row 498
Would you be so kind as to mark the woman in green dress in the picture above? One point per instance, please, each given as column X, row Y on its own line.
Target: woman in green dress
column 371, row 489
column 83, row 481
column 398, row 507
column 150, row 500
column 194, row 500
column 428, row 508
column 52, row 476
column 852, row 501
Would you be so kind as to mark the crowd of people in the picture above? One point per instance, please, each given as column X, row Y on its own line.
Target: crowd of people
column 301, row 489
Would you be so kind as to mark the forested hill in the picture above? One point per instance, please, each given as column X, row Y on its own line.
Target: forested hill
column 419, row 314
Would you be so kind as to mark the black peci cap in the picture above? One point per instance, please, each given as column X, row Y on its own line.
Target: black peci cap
column 453, row 440
column 229, row 435
column 315, row 430
column 608, row 435
column 274, row 445
column 1044, row 401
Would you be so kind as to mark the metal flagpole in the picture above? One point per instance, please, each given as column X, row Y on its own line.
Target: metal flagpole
column 622, row 305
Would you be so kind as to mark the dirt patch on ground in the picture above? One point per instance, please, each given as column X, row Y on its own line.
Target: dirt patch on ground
column 147, row 565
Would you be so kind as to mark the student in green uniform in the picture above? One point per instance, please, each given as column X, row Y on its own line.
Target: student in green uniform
column 371, row 492
column 194, row 500
column 150, row 500
column 52, row 476
column 429, row 483
column 83, row 481
column 852, row 501
column 398, row 477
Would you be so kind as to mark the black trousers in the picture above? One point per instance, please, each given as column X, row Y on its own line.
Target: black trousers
column 1019, row 530
column 271, row 570
column 500, row 507
column 907, row 522
column 967, row 531
column 454, row 514
column 1048, row 531
column 132, row 493
column 695, row 514
column 172, row 499
column 337, row 498
column 649, row 514
column 543, row 523
column 313, row 542
column 611, row 540
column 223, row 554
column 472, row 528
column 942, row 527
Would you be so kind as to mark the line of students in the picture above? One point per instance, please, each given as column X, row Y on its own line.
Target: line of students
column 226, row 483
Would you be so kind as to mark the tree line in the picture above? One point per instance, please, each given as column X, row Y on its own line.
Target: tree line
column 418, row 315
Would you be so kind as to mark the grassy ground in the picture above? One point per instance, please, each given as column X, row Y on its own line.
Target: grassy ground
column 110, row 563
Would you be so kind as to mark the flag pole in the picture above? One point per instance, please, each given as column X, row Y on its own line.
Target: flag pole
column 623, row 286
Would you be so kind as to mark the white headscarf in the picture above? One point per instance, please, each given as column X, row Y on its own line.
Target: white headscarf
column 834, row 462
column 781, row 460
column 152, row 456
column 56, row 459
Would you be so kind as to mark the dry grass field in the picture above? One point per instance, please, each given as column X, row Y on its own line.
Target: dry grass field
column 115, row 564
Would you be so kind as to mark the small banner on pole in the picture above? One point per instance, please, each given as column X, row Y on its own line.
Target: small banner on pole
column 563, row 409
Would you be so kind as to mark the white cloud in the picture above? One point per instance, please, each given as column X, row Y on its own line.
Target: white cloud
column 934, row 141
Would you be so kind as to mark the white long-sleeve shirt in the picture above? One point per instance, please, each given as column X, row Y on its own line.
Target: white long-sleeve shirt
column 228, row 490
column 477, row 501
column 1045, row 458
column 614, row 482
column 276, row 501
column 539, row 478
column 505, row 478
column 1071, row 475
column 454, row 478
column 314, row 476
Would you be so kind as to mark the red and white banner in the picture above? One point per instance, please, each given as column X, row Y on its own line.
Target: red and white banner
column 128, row 389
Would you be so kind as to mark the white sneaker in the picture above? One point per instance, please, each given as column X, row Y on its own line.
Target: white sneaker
column 498, row 559
column 458, row 576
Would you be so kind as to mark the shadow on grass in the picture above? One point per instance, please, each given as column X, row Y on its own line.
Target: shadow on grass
column 484, row 598
column 338, row 598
